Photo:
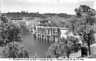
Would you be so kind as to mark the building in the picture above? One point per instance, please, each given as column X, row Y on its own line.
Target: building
column 48, row 33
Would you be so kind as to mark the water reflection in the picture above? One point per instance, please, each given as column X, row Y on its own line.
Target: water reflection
column 32, row 44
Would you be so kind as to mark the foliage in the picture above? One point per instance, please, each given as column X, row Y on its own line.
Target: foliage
column 37, row 14
column 24, row 29
column 9, row 32
column 3, row 18
column 55, row 50
column 73, row 43
column 15, row 51
column 64, row 47
column 85, row 10
column 83, row 23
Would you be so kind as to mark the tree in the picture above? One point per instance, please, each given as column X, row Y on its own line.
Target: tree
column 9, row 33
column 63, row 47
column 24, row 28
column 17, row 52
column 3, row 18
column 72, row 45
column 55, row 50
column 85, row 10
column 83, row 24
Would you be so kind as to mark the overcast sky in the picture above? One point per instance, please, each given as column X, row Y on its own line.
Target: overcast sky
column 44, row 6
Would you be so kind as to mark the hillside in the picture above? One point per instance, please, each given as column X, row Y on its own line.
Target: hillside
column 13, row 15
column 56, row 21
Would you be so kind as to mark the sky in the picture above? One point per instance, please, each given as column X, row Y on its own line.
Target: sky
column 44, row 6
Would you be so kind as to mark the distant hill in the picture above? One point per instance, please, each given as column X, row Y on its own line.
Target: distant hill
column 26, row 14
column 13, row 15
column 64, row 15
column 55, row 19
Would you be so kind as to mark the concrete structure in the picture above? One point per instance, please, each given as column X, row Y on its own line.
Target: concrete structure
column 53, row 33
column 48, row 33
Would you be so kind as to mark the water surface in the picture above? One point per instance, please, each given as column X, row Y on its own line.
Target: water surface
column 33, row 45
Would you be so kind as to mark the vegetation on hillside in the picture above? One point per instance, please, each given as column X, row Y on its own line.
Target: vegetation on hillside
column 37, row 14
column 63, row 48
column 10, row 37
column 83, row 24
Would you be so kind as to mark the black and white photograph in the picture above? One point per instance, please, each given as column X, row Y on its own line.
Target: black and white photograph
column 48, row 29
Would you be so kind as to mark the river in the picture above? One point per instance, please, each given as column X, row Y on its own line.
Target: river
column 33, row 45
